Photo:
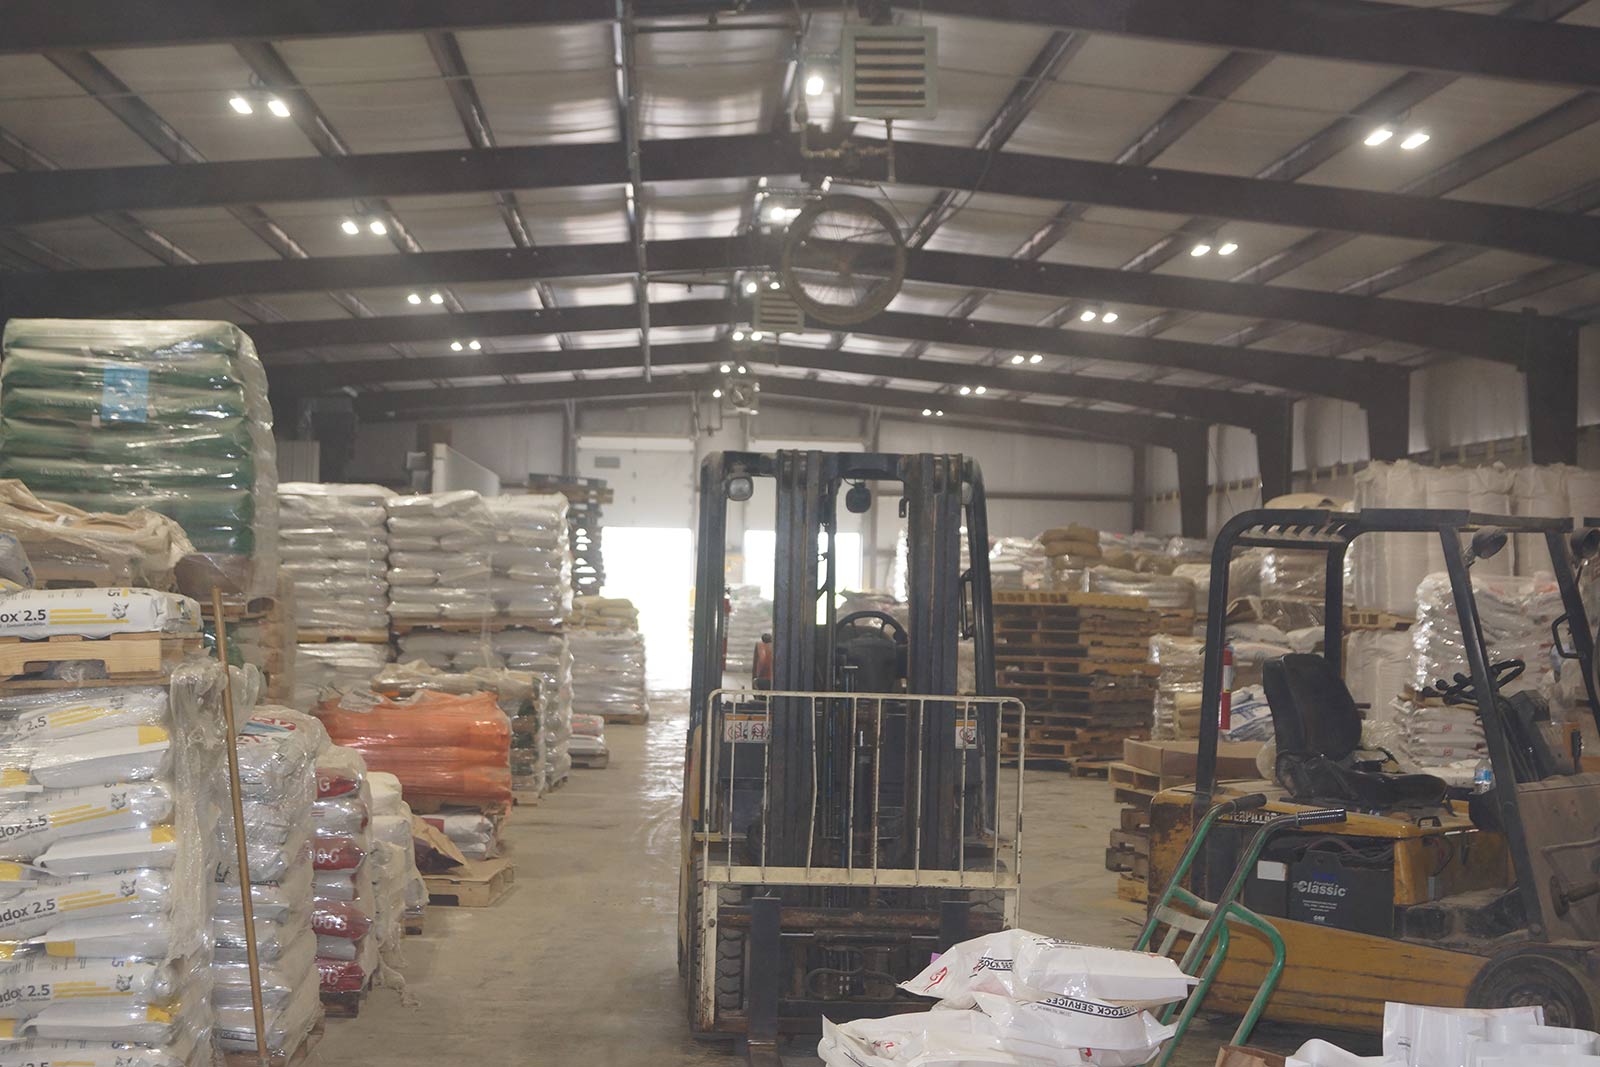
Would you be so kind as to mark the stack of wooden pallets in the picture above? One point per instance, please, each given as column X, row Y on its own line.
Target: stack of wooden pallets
column 1079, row 662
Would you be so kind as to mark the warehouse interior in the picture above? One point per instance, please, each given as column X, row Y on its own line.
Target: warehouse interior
column 575, row 426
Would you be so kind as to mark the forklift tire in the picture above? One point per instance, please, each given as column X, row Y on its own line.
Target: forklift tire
column 730, row 971
column 1534, row 974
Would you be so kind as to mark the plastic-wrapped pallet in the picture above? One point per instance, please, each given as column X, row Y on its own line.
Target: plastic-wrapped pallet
column 1515, row 614
column 401, row 892
column 441, row 549
column 444, row 747
column 173, row 416
column 608, row 674
column 334, row 546
column 108, row 823
column 532, row 560
column 604, row 613
column 548, row 655
column 1019, row 563
column 1177, row 702
column 72, row 546
column 345, row 906
column 1388, row 567
column 277, row 775
column 519, row 694
column 334, row 667
column 749, row 616
column 1377, row 668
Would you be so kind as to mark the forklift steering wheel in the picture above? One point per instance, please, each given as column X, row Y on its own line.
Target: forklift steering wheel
column 1462, row 690
column 889, row 623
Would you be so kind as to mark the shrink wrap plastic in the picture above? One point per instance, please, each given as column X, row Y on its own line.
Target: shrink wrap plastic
column 334, row 547
column 532, row 560
column 441, row 549
column 1018, row 563
column 439, row 745
column 138, row 548
column 172, row 416
column 608, row 672
column 107, row 836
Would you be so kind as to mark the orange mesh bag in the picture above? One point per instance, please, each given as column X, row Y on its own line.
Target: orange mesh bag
column 451, row 747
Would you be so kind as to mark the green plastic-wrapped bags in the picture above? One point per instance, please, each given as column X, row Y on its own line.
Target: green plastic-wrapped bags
column 113, row 415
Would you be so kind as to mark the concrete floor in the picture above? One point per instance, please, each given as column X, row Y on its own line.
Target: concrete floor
column 578, row 964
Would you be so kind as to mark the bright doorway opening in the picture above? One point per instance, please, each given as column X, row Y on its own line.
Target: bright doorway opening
column 654, row 568
column 761, row 546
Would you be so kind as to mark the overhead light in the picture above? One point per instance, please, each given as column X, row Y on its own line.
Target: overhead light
column 965, row 390
column 761, row 182
column 1036, row 358
column 377, row 227
column 240, row 104
column 717, row 393
column 980, row 389
column 1227, row 248
column 1414, row 140
column 750, row 287
column 743, row 369
column 277, row 107
column 1201, row 249
column 725, row 368
column 1017, row 358
column 1109, row 317
column 349, row 226
column 455, row 346
column 757, row 335
column 1378, row 136
column 474, row 345
column 413, row 298
column 738, row 335
column 435, row 298
column 816, row 85
column 1086, row 315
column 827, row 183
column 927, row 411
column 773, row 285
column 938, row 414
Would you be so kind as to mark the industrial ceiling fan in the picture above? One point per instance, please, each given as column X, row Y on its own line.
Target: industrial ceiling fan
column 844, row 259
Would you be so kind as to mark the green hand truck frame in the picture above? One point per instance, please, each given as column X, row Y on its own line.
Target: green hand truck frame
column 1207, row 921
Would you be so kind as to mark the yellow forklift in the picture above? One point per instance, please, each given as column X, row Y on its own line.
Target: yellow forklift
column 1428, row 894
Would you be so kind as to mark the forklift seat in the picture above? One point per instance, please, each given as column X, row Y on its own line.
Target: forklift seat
column 1318, row 728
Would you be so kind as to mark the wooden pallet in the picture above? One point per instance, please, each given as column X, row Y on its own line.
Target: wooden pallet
column 525, row 798
column 1098, row 669
column 1059, row 750
column 241, row 608
column 1355, row 619
column 415, row 925
column 300, row 1055
column 491, row 624
column 1089, row 768
column 1126, row 774
column 1033, row 640
column 627, row 718
column 1066, row 599
column 345, row 1005
column 477, row 884
column 127, row 658
column 328, row 637
column 591, row 762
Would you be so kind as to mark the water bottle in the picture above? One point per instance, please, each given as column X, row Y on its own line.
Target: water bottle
column 1483, row 776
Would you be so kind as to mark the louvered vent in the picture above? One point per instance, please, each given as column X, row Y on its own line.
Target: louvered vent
column 888, row 72
column 776, row 312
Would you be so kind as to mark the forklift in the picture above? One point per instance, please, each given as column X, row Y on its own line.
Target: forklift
column 1426, row 893
column 843, row 813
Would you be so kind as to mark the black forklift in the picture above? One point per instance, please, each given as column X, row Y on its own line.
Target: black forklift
column 842, row 819
column 1484, row 895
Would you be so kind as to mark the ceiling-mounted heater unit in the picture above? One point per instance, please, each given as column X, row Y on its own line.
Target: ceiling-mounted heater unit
column 774, row 311
column 889, row 72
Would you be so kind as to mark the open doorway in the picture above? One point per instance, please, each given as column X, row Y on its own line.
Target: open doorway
column 654, row 567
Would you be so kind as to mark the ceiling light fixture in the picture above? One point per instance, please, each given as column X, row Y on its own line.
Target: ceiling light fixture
column 240, row 104
column 1036, row 358
column 980, row 389
column 965, row 390
column 413, row 298
column 1018, row 358
column 926, row 412
column 378, row 227
column 1087, row 315
column 827, row 183
column 1414, row 140
column 455, row 346
column 757, row 335
column 1227, row 248
column 725, row 368
column 1378, row 136
column 349, row 226
column 1200, row 249
column 1109, row 317
column 435, row 298
column 277, row 107
column 743, row 369
column 816, row 85
column 474, row 345
column 738, row 335
column 938, row 413
column 717, row 393
column 750, row 288
column 774, row 286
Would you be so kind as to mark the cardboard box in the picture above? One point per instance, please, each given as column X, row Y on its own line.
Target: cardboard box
column 1177, row 760
column 1244, row 1056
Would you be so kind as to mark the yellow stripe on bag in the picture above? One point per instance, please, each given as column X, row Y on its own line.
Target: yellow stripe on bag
column 162, row 835
column 151, row 735
column 61, row 948
column 11, row 872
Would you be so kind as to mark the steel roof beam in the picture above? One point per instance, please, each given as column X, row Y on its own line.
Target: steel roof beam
column 37, row 197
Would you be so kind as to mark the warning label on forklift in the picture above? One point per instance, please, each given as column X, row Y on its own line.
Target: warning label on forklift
column 966, row 733
column 745, row 728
